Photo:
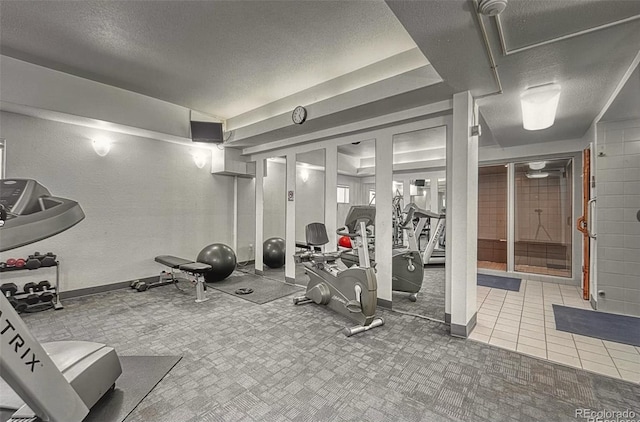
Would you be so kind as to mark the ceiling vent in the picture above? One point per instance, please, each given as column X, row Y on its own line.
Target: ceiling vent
column 492, row 7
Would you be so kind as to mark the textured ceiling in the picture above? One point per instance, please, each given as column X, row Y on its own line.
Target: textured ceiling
column 588, row 66
column 236, row 59
column 223, row 58
column 626, row 106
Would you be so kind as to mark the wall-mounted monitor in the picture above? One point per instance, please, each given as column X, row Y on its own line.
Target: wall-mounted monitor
column 209, row 132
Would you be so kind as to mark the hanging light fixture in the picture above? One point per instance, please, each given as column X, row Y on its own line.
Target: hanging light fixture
column 539, row 105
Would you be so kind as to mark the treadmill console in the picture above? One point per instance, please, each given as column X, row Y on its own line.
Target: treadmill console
column 32, row 214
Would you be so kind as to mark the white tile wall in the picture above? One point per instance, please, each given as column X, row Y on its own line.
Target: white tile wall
column 618, row 228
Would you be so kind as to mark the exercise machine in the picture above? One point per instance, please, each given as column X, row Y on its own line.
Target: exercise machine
column 32, row 214
column 433, row 224
column 194, row 269
column 58, row 381
column 351, row 292
column 407, row 269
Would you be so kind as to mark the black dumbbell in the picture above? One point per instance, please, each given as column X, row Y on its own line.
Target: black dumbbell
column 142, row 286
column 48, row 293
column 32, row 289
column 32, row 263
column 9, row 289
column 49, row 260
column 20, row 306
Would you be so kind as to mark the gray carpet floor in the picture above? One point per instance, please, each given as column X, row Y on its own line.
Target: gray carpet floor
column 279, row 362
column 430, row 301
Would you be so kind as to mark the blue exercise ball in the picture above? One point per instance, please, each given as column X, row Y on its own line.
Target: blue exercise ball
column 273, row 252
column 222, row 260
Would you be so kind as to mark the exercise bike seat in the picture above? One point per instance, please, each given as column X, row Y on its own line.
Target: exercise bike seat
column 316, row 234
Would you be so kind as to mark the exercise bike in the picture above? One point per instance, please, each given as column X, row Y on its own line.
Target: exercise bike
column 407, row 269
column 351, row 292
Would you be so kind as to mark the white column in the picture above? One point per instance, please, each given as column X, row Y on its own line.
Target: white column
column 260, row 166
column 433, row 187
column 383, row 233
column 234, row 244
column 462, row 217
column 290, row 222
column 331, row 196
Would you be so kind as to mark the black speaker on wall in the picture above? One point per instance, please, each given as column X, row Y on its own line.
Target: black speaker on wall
column 420, row 182
column 209, row 132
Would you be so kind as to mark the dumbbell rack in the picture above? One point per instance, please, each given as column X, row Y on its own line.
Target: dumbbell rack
column 56, row 297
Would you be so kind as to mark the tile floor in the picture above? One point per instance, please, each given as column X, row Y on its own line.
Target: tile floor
column 524, row 321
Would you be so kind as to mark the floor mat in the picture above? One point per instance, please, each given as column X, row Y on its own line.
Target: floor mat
column 140, row 374
column 264, row 289
column 495, row 282
column 619, row 328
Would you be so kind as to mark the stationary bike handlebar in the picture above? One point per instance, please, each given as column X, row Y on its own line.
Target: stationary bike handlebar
column 354, row 235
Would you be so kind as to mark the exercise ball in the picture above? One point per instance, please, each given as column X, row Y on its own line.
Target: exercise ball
column 273, row 252
column 222, row 260
column 345, row 242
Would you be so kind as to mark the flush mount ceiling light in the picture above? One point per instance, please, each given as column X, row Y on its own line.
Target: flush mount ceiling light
column 539, row 105
column 537, row 175
column 537, row 165
column 492, row 7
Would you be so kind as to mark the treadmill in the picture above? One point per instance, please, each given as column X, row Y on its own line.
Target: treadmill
column 58, row 381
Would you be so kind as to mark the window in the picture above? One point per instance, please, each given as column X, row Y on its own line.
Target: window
column 343, row 194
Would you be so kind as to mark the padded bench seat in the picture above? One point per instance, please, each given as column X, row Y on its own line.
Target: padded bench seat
column 183, row 264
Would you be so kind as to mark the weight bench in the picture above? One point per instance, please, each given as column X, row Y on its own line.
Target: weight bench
column 196, row 269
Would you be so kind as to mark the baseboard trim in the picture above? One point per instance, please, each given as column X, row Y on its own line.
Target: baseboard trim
column 104, row 288
column 447, row 318
column 463, row 331
column 290, row 280
column 383, row 303
column 259, row 272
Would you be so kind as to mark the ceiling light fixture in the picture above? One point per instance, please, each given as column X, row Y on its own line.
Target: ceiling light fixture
column 539, row 105
column 537, row 175
column 537, row 165
column 492, row 7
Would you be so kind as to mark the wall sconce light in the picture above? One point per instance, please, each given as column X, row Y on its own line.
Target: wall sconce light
column 200, row 159
column 101, row 146
column 537, row 165
column 304, row 175
column 539, row 105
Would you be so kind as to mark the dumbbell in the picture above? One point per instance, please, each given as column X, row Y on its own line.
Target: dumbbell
column 31, row 289
column 48, row 260
column 11, row 262
column 32, row 263
column 19, row 305
column 8, row 289
column 140, row 286
column 20, row 262
column 47, row 294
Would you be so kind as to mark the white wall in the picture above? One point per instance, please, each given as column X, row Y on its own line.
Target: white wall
column 309, row 200
column 146, row 198
column 274, row 200
column 246, row 219
column 617, row 157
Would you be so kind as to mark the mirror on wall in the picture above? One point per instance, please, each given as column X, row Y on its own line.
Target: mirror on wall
column 274, row 215
column 310, row 185
column 356, row 186
column 419, row 204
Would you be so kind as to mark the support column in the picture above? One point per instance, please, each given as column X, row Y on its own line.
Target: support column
column 258, row 265
column 331, row 196
column 462, row 218
column 234, row 244
column 433, row 193
column 383, row 233
column 290, row 221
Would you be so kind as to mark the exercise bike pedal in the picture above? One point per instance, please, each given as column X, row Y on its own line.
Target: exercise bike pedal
column 354, row 306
